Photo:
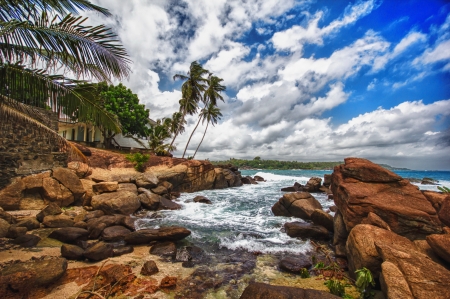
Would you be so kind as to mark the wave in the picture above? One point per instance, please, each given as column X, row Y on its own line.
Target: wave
column 277, row 177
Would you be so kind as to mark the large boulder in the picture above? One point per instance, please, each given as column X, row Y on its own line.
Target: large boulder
column 202, row 199
column 99, row 251
column 121, row 202
column 322, row 218
column 147, row 180
column 56, row 221
column 297, row 204
column 225, row 178
column 69, row 234
column 53, row 191
column 149, row 200
column 306, row 230
column 69, row 180
column 313, row 185
column 257, row 290
column 4, row 228
column 115, row 233
column 145, row 236
column 51, row 209
column 166, row 204
column 360, row 187
column 103, row 187
column 435, row 198
column 440, row 245
column 295, row 264
column 444, row 212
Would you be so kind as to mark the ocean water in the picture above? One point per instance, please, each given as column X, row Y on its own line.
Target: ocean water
column 240, row 218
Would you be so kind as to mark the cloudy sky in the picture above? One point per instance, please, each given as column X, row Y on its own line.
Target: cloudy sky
column 306, row 80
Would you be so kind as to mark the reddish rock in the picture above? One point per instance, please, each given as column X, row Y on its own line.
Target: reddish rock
column 322, row 218
column 423, row 247
column 256, row 290
column 298, row 204
column 168, row 282
column 103, row 187
column 360, row 187
column 375, row 220
column 435, row 198
column 393, row 284
column 53, row 191
column 306, row 230
column 69, row 180
column 149, row 268
column 444, row 212
column 121, row 202
column 440, row 245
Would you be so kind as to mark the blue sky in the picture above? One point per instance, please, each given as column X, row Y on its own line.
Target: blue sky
column 306, row 80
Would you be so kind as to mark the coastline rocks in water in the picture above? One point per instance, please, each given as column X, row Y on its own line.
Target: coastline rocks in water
column 440, row 245
column 166, row 204
column 429, row 181
column 298, row 204
column 444, row 212
column 72, row 252
column 52, row 209
column 295, row 264
column 313, row 185
column 160, row 190
column 295, row 188
column 306, row 230
column 99, row 251
column 121, row 202
column 226, row 178
column 322, row 218
column 4, row 228
column 24, row 275
column 56, row 221
column 148, row 199
column 145, row 236
column 257, row 290
column 115, row 233
column 165, row 249
column 248, row 180
column 259, row 178
column 360, row 187
column 202, row 199
column 103, row 187
column 69, row 234
column 149, row 268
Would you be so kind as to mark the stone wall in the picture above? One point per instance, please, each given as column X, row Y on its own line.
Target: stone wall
column 26, row 149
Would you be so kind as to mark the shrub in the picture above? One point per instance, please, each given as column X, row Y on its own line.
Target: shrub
column 304, row 273
column 364, row 283
column 444, row 189
column 139, row 160
column 336, row 287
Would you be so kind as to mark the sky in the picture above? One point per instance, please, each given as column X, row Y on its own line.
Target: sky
column 306, row 80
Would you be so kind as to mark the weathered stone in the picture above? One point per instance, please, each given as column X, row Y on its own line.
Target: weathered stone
column 29, row 223
column 81, row 169
column 93, row 215
column 81, row 224
column 145, row 236
column 166, row 204
column 99, row 251
column 51, row 209
column 435, row 198
column 58, row 221
column 375, row 220
column 393, row 283
column 295, row 264
column 115, row 233
column 8, row 217
column 440, row 245
column 289, row 189
column 11, row 195
column 4, row 228
column 423, row 247
column 298, row 204
column 103, row 187
column 53, row 191
column 89, row 191
column 149, row 268
column 327, row 180
column 27, row 240
column 444, row 212
column 121, row 202
column 313, row 185
column 69, row 234
column 256, row 290
column 166, row 185
column 160, row 190
column 259, row 178
column 128, row 222
column 306, row 230
column 122, row 250
column 202, row 199
column 247, row 180
column 69, row 180
column 322, row 218
column 168, row 282
column 72, row 252
column 128, row 187
column 149, row 200
column 15, row 232
column 147, row 180
column 166, row 249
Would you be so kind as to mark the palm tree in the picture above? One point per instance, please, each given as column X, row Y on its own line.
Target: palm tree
column 211, row 95
column 191, row 90
column 156, row 135
column 212, row 115
column 44, row 33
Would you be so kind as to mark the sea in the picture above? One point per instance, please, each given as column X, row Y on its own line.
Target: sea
column 240, row 218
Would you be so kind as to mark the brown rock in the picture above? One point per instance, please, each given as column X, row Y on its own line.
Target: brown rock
column 147, row 180
column 51, row 209
column 166, row 204
column 27, row 240
column 149, row 268
column 360, row 187
column 121, row 202
column 168, row 282
column 81, row 224
column 160, row 190
column 11, row 195
column 294, row 264
column 340, row 232
column 444, row 212
column 306, row 230
column 202, row 199
column 145, row 236
column 322, row 218
column 423, row 247
column 122, row 250
column 4, row 228
column 440, row 245
column 53, row 191
column 166, row 249
column 93, row 215
column 81, row 169
column 375, row 220
column 149, row 200
column 115, row 233
column 298, row 204
column 103, row 187
column 69, row 234
column 8, row 217
column 248, row 180
column 69, row 180
column 128, row 187
column 128, row 222
column 435, row 198
column 87, row 185
column 313, row 185
column 256, row 290
column 327, row 180
column 72, row 252
column 15, row 232
column 99, row 251
column 58, row 221
column 393, row 283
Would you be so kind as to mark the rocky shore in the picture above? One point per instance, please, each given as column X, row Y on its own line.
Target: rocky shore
column 71, row 233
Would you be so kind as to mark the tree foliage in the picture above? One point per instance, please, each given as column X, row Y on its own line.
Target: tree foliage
column 275, row 164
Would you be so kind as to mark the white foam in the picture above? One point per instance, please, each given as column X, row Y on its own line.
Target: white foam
column 268, row 176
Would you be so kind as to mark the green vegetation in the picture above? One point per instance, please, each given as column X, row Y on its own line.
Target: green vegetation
column 138, row 159
column 274, row 164
column 304, row 273
column 444, row 189
column 364, row 283
column 336, row 287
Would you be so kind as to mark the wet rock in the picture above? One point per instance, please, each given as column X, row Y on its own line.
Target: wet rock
column 122, row 250
column 72, row 252
column 15, row 232
column 166, row 204
column 29, row 223
column 333, row 209
column 322, row 218
column 440, row 245
column 145, row 236
column 8, row 217
column 149, row 200
column 121, row 202
column 147, row 180
column 69, row 234
column 115, row 233
column 165, row 249
column 429, row 181
column 168, row 282
column 27, row 240
column 56, row 221
column 259, row 178
column 4, row 228
column 256, row 290
column 306, row 230
column 149, row 268
column 51, row 209
column 99, row 251
column 313, row 185
column 375, row 220
column 298, row 204
column 248, row 180
column 202, row 199
column 295, row 264
column 69, row 180
column 167, row 185
column 103, row 187
column 289, row 189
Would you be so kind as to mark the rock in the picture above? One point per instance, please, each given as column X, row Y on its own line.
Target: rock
column 168, row 282
column 69, row 234
column 115, row 233
column 165, row 249
column 145, row 236
column 89, row 191
column 122, row 250
column 360, row 187
column 69, row 180
column 165, row 204
column 97, row 225
column 57, row 221
column 128, row 187
column 319, row 217
column 333, row 209
column 259, row 178
column 24, row 275
column 393, row 283
column 327, row 180
column 167, row 185
column 128, row 222
column 29, row 223
column 52, row 209
column 256, row 290
column 72, row 252
column 147, row 180
column 435, row 198
column 444, row 212
column 27, row 240
column 202, row 199
column 175, row 194
column 15, row 232
column 306, row 230
column 294, row 264
column 4, row 228
column 313, row 185
column 429, row 181
column 93, row 215
column 160, row 190
column 81, row 169
column 103, row 187
column 81, row 224
column 121, row 202
column 340, row 235
column 149, row 268
column 298, row 204
column 55, row 192
column 149, row 200
column 248, row 180
column 225, row 178
column 7, row 217
column 440, row 245
column 361, row 250
column 289, row 189
column 375, row 220
column 423, row 247
column 99, row 251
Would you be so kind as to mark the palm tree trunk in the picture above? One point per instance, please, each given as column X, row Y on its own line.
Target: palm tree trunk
column 178, row 129
column 199, row 119
column 201, row 140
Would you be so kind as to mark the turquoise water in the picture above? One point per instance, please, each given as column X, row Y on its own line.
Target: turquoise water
column 241, row 218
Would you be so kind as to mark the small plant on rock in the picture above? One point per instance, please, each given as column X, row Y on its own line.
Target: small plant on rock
column 444, row 189
column 364, row 283
column 139, row 160
column 304, row 273
column 336, row 287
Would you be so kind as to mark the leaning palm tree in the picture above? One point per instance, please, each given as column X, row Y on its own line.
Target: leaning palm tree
column 210, row 114
column 39, row 38
column 186, row 107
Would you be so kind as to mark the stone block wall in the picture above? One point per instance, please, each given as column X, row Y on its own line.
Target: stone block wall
column 26, row 149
